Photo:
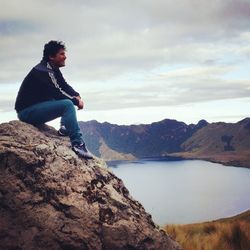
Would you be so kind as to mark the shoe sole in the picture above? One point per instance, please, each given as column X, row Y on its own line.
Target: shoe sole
column 61, row 134
column 81, row 156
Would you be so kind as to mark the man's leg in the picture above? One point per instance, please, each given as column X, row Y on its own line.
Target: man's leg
column 49, row 110
column 62, row 123
column 62, row 130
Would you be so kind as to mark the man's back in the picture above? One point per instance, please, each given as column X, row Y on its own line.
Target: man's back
column 43, row 83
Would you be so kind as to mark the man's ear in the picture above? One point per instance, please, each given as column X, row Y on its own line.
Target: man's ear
column 51, row 57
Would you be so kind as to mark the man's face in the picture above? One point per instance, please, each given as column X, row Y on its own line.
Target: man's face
column 59, row 59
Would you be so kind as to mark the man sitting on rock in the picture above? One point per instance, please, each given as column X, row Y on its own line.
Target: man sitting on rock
column 45, row 95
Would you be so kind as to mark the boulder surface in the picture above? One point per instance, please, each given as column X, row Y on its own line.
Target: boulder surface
column 52, row 199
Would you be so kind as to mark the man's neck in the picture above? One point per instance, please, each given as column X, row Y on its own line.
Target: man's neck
column 53, row 65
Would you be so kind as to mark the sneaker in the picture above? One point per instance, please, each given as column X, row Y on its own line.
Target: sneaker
column 82, row 151
column 63, row 131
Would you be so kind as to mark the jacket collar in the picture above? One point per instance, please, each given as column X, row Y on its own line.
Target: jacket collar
column 46, row 66
column 49, row 65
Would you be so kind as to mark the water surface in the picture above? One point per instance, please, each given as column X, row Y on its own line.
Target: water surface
column 186, row 191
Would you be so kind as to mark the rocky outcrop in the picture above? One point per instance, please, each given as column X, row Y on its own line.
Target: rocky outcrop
column 52, row 199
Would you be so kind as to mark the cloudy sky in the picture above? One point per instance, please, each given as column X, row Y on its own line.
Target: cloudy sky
column 135, row 61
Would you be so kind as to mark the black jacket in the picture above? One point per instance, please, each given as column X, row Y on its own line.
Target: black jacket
column 44, row 82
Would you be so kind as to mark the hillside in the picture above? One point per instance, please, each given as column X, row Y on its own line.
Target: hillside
column 118, row 142
column 52, row 199
column 226, row 143
column 224, row 234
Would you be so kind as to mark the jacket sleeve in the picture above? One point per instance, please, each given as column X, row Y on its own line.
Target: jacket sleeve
column 58, row 92
column 69, row 89
column 66, row 87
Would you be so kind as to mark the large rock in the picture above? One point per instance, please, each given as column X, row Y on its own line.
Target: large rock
column 51, row 199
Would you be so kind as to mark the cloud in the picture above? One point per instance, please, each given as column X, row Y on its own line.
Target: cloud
column 134, row 53
column 114, row 37
column 172, row 88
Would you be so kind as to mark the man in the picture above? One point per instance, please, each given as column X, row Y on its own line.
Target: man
column 45, row 95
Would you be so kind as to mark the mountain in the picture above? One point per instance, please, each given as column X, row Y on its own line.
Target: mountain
column 114, row 142
column 226, row 143
column 52, row 199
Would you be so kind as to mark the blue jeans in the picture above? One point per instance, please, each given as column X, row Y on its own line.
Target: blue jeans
column 49, row 110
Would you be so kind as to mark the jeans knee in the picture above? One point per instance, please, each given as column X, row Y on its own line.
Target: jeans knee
column 68, row 103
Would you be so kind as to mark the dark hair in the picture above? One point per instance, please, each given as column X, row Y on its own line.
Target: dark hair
column 51, row 48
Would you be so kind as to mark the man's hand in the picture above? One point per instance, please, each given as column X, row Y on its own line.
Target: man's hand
column 81, row 104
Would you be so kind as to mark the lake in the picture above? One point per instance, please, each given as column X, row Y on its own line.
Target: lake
column 186, row 191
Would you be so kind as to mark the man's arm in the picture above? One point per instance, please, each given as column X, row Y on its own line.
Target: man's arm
column 69, row 89
column 65, row 86
column 57, row 91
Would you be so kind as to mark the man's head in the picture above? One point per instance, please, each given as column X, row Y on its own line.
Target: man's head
column 54, row 52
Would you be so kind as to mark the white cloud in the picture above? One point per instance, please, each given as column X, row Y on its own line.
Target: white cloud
column 132, row 53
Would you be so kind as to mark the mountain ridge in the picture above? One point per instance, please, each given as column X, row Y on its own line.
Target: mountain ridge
column 169, row 137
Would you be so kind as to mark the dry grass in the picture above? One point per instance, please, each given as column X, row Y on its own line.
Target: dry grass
column 224, row 234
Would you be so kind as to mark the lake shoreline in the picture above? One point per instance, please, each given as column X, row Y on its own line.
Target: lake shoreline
column 113, row 163
column 179, row 157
